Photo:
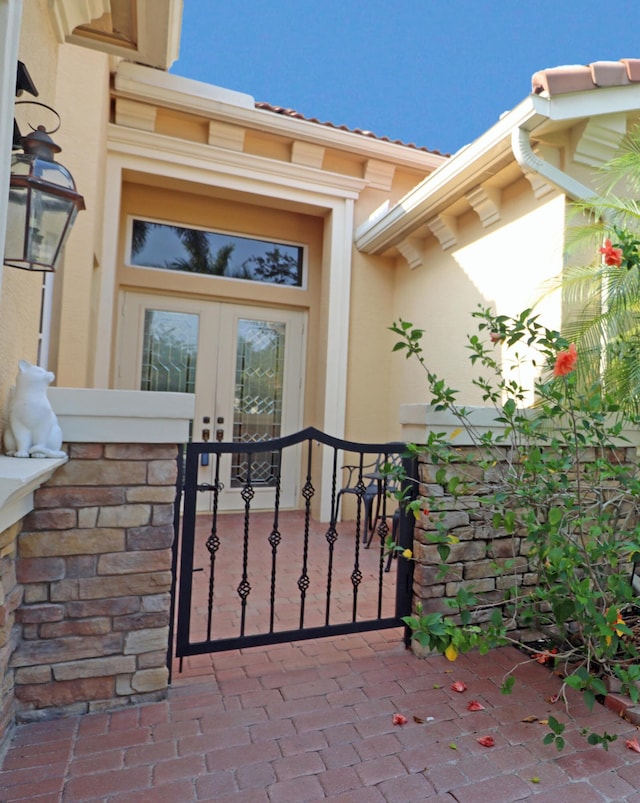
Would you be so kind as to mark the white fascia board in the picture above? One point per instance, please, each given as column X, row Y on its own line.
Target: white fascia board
column 590, row 103
column 471, row 164
column 179, row 156
column 193, row 97
column 475, row 162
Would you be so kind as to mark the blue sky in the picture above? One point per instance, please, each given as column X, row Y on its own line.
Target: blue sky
column 434, row 73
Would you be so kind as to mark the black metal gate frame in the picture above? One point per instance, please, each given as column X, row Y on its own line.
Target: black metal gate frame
column 188, row 488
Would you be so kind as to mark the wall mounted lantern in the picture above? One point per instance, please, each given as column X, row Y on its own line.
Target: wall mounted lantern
column 43, row 201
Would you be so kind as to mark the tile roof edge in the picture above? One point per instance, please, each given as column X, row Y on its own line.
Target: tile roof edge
column 292, row 113
column 582, row 77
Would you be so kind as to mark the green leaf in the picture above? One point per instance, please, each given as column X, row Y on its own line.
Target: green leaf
column 555, row 516
column 589, row 698
column 556, row 727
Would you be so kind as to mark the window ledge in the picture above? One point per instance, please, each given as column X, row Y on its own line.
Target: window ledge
column 19, row 478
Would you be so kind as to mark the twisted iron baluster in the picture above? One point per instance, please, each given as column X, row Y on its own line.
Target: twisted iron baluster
column 274, row 540
column 356, row 574
column 331, row 536
column 213, row 544
column 244, row 587
column 304, row 582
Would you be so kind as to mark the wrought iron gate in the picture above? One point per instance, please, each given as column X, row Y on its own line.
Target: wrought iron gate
column 264, row 577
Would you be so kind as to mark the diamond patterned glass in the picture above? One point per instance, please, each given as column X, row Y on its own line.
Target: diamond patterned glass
column 257, row 414
column 169, row 351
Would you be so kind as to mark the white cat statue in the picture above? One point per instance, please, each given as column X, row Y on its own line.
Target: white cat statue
column 32, row 429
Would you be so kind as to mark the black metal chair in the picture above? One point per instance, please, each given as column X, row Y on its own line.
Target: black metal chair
column 361, row 482
column 372, row 481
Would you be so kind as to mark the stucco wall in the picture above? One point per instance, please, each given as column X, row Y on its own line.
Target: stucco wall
column 75, row 82
column 82, row 97
column 20, row 297
column 504, row 267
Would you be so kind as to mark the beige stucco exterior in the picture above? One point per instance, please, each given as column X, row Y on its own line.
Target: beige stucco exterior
column 388, row 231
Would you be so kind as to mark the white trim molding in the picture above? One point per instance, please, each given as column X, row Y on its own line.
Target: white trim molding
column 157, row 24
column 88, row 415
column 19, row 478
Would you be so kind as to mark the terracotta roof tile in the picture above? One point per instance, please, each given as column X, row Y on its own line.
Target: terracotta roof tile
column 579, row 77
column 296, row 115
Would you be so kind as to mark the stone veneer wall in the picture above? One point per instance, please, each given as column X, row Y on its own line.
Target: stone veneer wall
column 479, row 560
column 93, row 566
column 10, row 598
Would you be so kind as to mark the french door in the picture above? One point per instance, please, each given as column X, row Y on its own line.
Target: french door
column 244, row 364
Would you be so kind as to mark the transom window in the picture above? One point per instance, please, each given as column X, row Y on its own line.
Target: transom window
column 210, row 253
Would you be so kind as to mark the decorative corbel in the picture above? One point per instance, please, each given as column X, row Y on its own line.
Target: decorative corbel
column 600, row 139
column 486, row 204
column 413, row 252
column 445, row 228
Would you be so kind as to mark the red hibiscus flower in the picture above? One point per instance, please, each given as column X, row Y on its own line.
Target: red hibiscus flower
column 399, row 719
column 566, row 361
column 475, row 705
column 486, row 741
column 632, row 744
column 612, row 256
column 459, row 686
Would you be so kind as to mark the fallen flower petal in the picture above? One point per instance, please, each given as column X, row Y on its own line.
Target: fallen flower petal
column 529, row 719
column 421, row 721
column 459, row 686
column 475, row 705
column 545, row 656
column 486, row 741
column 399, row 719
column 632, row 744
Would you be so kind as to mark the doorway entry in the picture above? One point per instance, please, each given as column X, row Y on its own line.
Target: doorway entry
column 245, row 365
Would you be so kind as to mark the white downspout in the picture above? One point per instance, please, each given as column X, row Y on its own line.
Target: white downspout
column 531, row 163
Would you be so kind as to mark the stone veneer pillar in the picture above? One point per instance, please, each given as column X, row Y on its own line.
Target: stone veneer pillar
column 485, row 559
column 85, row 559
column 94, row 560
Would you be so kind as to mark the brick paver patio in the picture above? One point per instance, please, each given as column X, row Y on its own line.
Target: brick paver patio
column 314, row 721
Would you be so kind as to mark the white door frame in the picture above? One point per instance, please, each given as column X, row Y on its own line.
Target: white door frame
column 215, row 376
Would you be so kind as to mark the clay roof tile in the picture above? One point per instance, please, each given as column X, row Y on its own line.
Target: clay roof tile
column 292, row 113
column 579, row 77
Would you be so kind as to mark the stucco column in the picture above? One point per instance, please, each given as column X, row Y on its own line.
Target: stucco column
column 336, row 296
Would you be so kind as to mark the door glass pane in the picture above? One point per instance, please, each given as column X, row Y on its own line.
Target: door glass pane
column 169, row 350
column 257, row 413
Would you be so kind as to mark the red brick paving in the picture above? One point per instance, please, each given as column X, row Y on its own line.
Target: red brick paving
column 322, row 729
column 312, row 721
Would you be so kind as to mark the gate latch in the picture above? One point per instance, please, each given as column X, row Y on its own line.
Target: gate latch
column 206, row 434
